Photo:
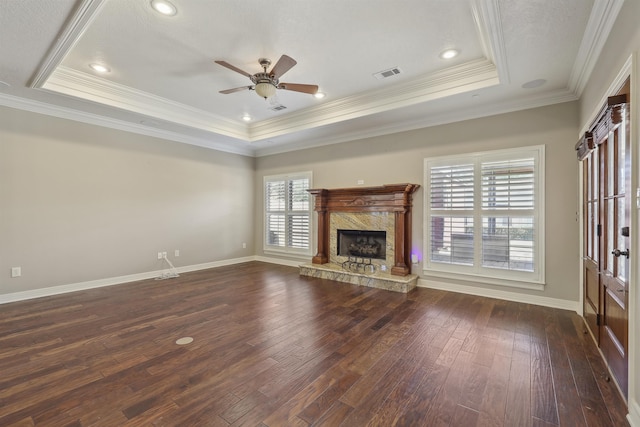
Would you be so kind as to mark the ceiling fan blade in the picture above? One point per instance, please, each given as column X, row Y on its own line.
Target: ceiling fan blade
column 236, row 89
column 284, row 64
column 310, row 89
column 231, row 67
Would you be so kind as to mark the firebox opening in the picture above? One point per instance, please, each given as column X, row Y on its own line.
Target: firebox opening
column 362, row 243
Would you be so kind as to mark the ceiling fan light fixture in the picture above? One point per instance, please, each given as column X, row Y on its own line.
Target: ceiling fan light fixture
column 265, row 89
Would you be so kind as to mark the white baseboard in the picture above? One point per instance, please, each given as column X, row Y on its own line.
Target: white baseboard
column 279, row 261
column 503, row 295
column 63, row 289
column 634, row 414
column 56, row 290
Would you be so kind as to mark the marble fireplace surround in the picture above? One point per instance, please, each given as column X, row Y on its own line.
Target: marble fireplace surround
column 385, row 208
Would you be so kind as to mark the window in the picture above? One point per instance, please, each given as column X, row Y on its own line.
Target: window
column 484, row 215
column 288, row 213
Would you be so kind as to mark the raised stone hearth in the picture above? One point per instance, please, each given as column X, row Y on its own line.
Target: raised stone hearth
column 376, row 280
column 374, row 212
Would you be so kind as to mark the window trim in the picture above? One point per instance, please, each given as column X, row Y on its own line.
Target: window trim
column 286, row 250
column 519, row 279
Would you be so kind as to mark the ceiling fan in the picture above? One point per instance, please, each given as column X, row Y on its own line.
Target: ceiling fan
column 266, row 83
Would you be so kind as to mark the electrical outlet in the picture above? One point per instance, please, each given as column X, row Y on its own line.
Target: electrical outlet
column 360, row 182
column 176, row 253
column 164, row 255
column 244, row 246
column 159, row 255
column 16, row 271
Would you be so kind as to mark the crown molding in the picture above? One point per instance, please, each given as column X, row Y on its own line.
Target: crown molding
column 447, row 117
column 601, row 20
column 486, row 15
column 100, row 120
column 82, row 85
column 466, row 77
column 84, row 15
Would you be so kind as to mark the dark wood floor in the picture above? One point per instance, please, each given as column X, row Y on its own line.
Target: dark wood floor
column 272, row 348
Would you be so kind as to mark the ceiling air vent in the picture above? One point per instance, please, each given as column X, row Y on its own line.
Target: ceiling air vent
column 278, row 107
column 387, row 73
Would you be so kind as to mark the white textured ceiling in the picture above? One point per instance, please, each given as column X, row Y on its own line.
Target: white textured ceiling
column 164, row 81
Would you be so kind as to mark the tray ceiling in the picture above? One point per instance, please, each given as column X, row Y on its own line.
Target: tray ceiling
column 163, row 80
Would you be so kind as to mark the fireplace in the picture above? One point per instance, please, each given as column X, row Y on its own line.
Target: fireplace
column 367, row 226
column 390, row 204
column 362, row 243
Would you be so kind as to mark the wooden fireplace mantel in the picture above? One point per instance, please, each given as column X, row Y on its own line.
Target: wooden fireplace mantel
column 395, row 198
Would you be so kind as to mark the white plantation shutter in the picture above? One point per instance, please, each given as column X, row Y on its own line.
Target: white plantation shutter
column 298, row 217
column 508, row 203
column 508, row 185
column 484, row 214
column 288, row 213
column 451, row 204
column 275, row 195
column 452, row 187
column 299, row 231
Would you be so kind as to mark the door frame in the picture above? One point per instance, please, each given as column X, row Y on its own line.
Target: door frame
column 631, row 70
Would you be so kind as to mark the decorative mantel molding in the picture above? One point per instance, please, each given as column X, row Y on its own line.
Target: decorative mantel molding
column 396, row 198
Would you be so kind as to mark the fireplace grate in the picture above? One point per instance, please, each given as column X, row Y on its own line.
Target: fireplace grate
column 359, row 265
column 362, row 243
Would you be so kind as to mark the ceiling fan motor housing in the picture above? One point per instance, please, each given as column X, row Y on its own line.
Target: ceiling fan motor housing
column 264, row 78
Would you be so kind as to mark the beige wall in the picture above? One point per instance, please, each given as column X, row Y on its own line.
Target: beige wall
column 399, row 158
column 80, row 202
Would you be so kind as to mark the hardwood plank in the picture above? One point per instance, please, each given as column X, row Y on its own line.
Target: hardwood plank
column 322, row 403
column 443, row 407
column 287, row 412
column 335, row 415
column 464, row 416
column 272, row 348
column 543, row 398
column 519, row 391
column 494, row 399
column 569, row 405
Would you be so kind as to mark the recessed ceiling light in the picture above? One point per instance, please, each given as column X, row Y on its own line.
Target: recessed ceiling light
column 320, row 95
column 449, row 53
column 534, row 84
column 246, row 118
column 164, row 7
column 99, row 68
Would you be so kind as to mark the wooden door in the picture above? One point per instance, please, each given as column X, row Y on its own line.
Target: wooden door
column 606, row 210
column 592, row 306
column 615, row 212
